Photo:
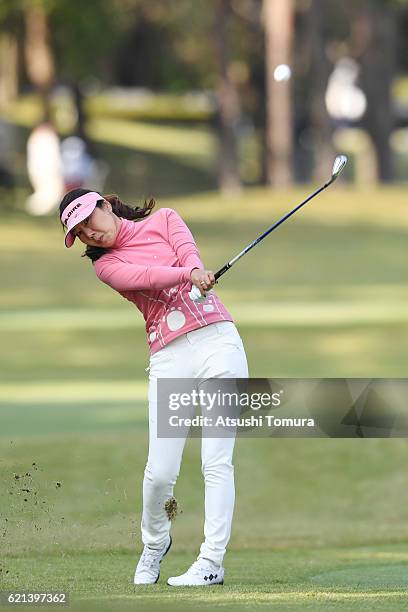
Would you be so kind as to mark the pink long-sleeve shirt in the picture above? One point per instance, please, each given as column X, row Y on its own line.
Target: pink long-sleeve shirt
column 150, row 265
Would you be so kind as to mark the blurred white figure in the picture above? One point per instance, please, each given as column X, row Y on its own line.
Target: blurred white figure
column 44, row 168
column 76, row 162
column 344, row 99
column 80, row 169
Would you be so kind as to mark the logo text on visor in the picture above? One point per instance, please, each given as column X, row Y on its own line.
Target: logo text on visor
column 71, row 211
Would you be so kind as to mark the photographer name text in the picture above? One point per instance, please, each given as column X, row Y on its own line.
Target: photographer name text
column 252, row 421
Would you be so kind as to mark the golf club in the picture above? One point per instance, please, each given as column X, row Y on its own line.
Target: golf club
column 338, row 166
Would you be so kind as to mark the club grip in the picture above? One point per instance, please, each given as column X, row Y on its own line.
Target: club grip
column 221, row 271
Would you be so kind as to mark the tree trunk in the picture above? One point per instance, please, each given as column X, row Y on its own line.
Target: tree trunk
column 228, row 105
column 320, row 69
column 8, row 69
column 38, row 54
column 278, row 24
column 374, row 39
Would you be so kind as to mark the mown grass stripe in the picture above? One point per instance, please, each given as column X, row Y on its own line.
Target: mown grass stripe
column 300, row 314
column 224, row 597
column 62, row 391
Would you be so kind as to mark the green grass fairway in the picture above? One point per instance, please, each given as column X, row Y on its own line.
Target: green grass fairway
column 303, row 536
column 369, row 578
column 319, row 524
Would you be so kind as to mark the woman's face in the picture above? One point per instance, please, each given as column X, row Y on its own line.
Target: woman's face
column 100, row 228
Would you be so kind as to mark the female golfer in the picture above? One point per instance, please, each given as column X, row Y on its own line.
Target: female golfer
column 153, row 261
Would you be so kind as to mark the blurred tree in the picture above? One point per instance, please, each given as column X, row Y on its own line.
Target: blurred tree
column 171, row 47
column 228, row 114
column 248, row 43
column 8, row 69
column 164, row 45
column 32, row 17
column 11, row 35
column 320, row 123
column 373, row 40
column 85, row 35
column 9, row 57
column 278, row 22
column 319, row 25
column 136, row 57
column 39, row 57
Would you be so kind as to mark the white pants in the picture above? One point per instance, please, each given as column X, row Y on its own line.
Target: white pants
column 214, row 351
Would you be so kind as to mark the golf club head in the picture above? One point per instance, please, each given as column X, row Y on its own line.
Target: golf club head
column 338, row 166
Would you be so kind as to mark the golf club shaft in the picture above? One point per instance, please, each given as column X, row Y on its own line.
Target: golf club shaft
column 228, row 265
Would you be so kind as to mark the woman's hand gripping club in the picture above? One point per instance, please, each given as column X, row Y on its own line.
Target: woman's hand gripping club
column 203, row 281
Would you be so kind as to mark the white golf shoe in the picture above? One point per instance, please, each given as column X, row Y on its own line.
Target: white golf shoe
column 148, row 568
column 201, row 573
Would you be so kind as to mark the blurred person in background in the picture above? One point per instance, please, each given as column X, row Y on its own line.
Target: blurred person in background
column 78, row 165
column 153, row 261
column 44, row 167
column 80, row 168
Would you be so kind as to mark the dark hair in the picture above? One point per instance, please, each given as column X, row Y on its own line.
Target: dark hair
column 119, row 208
